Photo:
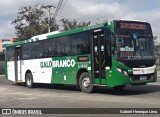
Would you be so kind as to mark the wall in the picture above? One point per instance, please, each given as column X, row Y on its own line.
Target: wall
column 2, row 71
column 2, row 40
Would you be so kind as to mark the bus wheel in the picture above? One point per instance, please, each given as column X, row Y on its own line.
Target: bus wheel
column 85, row 83
column 119, row 87
column 29, row 80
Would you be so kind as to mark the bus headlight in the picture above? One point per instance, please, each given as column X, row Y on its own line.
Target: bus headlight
column 119, row 69
column 125, row 73
column 122, row 71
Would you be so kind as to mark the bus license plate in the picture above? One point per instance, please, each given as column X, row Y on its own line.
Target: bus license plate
column 143, row 78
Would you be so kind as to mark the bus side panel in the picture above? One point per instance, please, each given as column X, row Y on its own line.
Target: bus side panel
column 116, row 78
column 26, row 65
column 6, row 68
column 41, row 69
column 11, row 70
column 65, row 69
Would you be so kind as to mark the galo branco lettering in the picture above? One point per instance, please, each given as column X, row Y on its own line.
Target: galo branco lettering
column 57, row 63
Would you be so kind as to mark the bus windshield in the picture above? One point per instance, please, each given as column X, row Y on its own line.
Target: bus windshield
column 134, row 44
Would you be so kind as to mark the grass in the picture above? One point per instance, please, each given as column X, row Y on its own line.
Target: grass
column 158, row 68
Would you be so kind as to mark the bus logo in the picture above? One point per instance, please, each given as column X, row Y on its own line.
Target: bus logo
column 58, row 63
column 6, row 111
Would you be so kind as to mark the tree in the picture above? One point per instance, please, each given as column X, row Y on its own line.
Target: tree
column 72, row 24
column 32, row 21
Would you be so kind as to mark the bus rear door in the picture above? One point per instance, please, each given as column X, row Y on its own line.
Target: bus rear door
column 18, row 70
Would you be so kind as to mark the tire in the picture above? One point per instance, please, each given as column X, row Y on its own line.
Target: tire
column 121, row 87
column 29, row 80
column 85, row 83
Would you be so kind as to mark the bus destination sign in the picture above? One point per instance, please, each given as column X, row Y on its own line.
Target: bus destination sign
column 131, row 25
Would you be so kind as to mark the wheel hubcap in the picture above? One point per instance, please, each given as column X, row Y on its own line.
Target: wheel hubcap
column 29, row 81
column 86, row 82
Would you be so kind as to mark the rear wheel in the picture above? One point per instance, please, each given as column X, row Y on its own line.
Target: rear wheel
column 85, row 83
column 29, row 80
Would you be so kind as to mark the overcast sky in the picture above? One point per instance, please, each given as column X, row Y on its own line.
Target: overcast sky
column 86, row 10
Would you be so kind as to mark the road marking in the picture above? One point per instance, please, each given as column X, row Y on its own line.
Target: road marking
column 27, row 98
column 27, row 94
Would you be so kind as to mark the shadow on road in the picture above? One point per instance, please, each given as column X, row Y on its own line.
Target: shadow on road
column 129, row 90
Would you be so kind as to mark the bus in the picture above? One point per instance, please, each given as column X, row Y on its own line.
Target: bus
column 111, row 54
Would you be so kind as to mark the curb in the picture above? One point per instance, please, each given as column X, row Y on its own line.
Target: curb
column 2, row 75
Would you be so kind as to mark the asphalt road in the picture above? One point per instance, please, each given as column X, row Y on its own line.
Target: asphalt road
column 47, row 96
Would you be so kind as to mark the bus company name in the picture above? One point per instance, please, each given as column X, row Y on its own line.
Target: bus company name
column 58, row 63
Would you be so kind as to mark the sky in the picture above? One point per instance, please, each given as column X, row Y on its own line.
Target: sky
column 86, row 10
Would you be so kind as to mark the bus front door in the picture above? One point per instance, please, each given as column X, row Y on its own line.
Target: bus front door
column 18, row 64
column 98, row 57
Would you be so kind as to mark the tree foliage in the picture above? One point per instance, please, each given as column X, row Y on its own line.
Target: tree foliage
column 72, row 24
column 32, row 21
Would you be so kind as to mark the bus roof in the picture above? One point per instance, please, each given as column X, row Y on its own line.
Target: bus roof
column 57, row 34
column 44, row 36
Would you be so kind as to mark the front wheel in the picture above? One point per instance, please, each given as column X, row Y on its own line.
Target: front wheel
column 29, row 80
column 85, row 83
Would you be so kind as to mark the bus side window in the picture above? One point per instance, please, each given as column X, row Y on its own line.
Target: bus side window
column 26, row 51
column 80, row 43
column 37, row 50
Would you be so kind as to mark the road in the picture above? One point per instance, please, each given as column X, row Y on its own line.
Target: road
column 47, row 96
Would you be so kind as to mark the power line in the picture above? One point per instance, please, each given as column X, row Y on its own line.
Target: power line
column 58, row 8
column 48, row 7
column 62, row 9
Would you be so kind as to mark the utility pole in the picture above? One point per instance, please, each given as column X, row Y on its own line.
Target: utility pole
column 48, row 7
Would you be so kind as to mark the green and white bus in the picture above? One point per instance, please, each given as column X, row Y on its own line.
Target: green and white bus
column 112, row 54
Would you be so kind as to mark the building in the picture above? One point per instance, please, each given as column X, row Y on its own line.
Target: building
column 4, row 42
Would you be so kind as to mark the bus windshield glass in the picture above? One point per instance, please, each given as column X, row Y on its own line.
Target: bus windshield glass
column 134, row 41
